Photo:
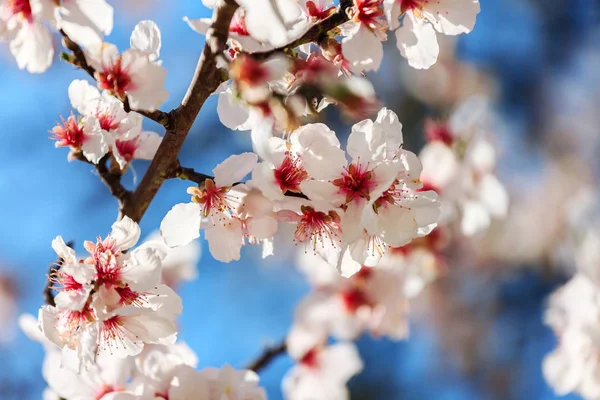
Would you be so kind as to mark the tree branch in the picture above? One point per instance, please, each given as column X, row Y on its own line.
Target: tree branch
column 78, row 59
column 111, row 177
column 206, row 80
column 316, row 33
column 268, row 355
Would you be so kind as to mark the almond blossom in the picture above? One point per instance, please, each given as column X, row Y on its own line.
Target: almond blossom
column 213, row 209
column 83, row 135
column 122, row 132
column 134, row 74
column 377, row 190
column 22, row 24
column 458, row 163
column 110, row 302
column 363, row 35
column 416, row 35
column 322, row 370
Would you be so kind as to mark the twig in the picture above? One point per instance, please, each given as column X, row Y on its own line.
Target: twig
column 78, row 59
column 111, row 177
column 268, row 355
column 316, row 34
column 54, row 267
column 189, row 174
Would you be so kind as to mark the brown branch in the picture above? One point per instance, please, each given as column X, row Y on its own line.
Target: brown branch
column 111, row 177
column 268, row 355
column 206, row 80
column 78, row 59
column 317, row 33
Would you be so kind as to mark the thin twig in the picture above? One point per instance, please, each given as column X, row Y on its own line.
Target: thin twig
column 268, row 355
column 317, row 33
column 111, row 177
column 54, row 267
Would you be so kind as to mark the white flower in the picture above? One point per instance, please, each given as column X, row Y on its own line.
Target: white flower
column 416, row 36
column 214, row 201
column 134, row 73
column 458, row 163
column 127, row 307
column 22, row 25
column 322, row 371
column 81, row 134
column 574, row 312
column 364, row 33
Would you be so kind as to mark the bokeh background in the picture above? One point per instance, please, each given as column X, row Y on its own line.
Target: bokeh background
column 476, row 333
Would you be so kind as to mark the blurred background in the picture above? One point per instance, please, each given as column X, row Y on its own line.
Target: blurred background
column 477, row 332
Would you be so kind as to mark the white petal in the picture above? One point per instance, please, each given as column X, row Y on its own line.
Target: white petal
column 181, row 225
column 234, row 168
column 86, row 21
column 146, row 38
column 493, row 195
column 82, row 273
column 82, row 95
column 63, row 251
column 263, row 227
column 417, row 42
column 199, row 25
column 225, row 241
column 475, row 218
column 126, row 233
column 148, row 145
column 363, row 50
column 452, row 17
column 233, row 112
column 32, row 47
column 143, row 270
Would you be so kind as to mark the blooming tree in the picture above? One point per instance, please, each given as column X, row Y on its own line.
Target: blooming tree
column 371, row 220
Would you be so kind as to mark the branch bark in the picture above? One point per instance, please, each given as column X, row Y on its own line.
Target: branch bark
column 206, row 80
column 268, row 355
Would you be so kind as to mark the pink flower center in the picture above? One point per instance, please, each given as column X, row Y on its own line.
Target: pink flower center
column 317, row 13
column 108, row 122
column 113, row 335
column 370, row 14
column 104, row 257
column 115, row 78
column 127, row 148
column 214, row 199
column 238, row 24
column 248, row 72
column 106, row 389
column 354, row 298
column 130, row 297
column 21, row 8
column 440, row 132
column 64, row 281
column 70, row 133
column 318, row 226
column 356, row 181
column 311, row 358
column 290, row 174
column 413, row 5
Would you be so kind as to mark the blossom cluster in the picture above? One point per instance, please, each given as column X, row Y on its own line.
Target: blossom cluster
column 364, row 214
column 574, row 309
column 340, row 209
column 112, row 301
column 160, row 371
